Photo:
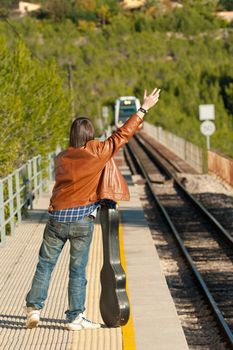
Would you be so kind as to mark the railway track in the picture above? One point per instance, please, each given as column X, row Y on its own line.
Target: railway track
column 207, row 248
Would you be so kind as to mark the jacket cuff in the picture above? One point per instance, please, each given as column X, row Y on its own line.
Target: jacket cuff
column 132, row 124
column 135, row 119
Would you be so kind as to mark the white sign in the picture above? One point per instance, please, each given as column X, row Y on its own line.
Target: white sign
column 105, row 111
column 206, row 112
column 207, row 128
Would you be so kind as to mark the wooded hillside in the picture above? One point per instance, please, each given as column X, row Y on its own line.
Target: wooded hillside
column 186, row 52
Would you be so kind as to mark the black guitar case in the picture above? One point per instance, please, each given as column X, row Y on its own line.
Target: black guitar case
column 114, row 303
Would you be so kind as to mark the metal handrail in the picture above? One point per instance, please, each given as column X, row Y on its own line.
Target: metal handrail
column 19, row 189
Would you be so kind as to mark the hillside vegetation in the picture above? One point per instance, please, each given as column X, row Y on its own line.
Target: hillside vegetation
column 34, row 108
column 100, row 56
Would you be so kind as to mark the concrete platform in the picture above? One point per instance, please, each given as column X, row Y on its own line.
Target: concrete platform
column 154, row 323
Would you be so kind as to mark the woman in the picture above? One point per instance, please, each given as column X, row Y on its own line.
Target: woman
column 85, row 174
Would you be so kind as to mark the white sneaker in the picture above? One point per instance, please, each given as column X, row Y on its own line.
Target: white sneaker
column 33, row 317
column 82, row 323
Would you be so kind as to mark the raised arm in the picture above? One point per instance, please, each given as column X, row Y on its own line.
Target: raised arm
column 110, row 146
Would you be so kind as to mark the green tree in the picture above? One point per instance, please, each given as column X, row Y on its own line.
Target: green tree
column 190, row 59
column 88, row 5
column 8, row 3
column 59, row 9
column 226, row 5
column 34, row 109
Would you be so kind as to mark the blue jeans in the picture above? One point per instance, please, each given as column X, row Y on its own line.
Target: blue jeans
column 55, row 236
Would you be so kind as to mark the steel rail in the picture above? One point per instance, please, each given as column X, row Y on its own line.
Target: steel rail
column 142, row 140
column 171, row 174
column 202, row 285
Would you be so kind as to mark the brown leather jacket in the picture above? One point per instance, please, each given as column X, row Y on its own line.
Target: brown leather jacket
column 87, row 174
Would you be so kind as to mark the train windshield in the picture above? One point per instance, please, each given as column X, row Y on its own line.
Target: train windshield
column 127, row 108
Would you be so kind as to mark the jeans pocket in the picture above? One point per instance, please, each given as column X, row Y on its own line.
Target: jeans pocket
column 82, row 228
column 54, row 229
column 54, row 224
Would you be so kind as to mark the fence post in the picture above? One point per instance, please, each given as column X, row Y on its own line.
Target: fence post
column 11, row 204
column 2, row 216
column 29, row 164
column 40, row 176
column 18, row 201
column 34, row 160
column 51, row 167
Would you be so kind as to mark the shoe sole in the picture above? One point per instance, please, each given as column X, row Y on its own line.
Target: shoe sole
column 32, row 324
column 74, row 328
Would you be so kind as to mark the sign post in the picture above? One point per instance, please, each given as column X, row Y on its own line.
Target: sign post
column 207, row 128
column 105, row 115
column 105, row 111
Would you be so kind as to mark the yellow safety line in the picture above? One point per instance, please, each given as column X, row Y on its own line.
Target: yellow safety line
column 128, row 335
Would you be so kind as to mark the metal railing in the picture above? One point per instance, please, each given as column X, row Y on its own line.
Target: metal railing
column 19, row 189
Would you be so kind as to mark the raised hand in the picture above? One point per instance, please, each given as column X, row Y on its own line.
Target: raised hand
column 150, row 100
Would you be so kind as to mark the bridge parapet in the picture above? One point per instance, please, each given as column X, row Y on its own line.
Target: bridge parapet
column 186, row 150
column 221, row 166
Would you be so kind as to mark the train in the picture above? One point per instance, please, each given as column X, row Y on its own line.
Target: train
column 125, row 106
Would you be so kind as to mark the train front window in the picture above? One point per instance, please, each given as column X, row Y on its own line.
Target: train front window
column 127, row 108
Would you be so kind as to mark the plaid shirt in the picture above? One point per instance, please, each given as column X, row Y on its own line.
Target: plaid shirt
column 78, row 213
